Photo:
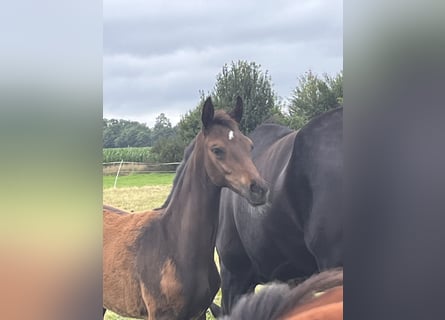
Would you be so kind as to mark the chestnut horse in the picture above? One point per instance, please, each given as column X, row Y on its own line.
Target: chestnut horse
column 160, row 264
column 318, row 298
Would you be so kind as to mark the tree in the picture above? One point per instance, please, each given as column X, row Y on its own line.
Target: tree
column 162, row 122
column 313, row 96
column 190, row 123
column 246, row 80
column 162, row 128
column 336, row 86
column 168, row 149
column 110, row 132
column 125, row 133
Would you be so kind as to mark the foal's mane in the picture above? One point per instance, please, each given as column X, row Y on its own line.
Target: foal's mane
column 277, row 299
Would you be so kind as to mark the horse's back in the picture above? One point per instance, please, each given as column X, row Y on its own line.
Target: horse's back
column 333, row 311
column 109, row 208
column 123, row 226
column 327, row 306
column 121, row 231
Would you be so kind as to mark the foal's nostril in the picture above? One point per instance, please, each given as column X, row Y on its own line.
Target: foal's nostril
column 258, row 193
column 255, row 188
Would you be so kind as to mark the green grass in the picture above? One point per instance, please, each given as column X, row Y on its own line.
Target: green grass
column 139, row 180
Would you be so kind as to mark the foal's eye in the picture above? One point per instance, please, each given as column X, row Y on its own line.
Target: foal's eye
column 217, row 151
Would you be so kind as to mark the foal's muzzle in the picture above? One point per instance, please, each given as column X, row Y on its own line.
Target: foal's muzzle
column 257, row 193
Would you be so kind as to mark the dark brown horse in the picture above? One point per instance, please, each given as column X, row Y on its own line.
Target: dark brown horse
column 320, row 297
column 300, row 231
column 160, row 264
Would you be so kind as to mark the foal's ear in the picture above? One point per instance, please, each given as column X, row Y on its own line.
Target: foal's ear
column 207, row 113
column 237, row 112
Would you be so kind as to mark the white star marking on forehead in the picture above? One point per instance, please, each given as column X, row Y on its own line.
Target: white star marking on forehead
column 231, row 135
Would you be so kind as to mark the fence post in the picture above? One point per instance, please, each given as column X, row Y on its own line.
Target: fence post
column 117, row 174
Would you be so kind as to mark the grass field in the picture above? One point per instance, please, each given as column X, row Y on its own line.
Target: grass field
column 139, row 192
column 139, row 180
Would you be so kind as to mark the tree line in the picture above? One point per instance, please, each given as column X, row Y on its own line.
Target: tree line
column 313, row 95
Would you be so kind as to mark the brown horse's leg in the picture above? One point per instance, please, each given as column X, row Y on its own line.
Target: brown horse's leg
column 103, row 312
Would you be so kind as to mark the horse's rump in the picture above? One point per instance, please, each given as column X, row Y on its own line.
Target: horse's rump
column 327, row 306
column 280, row 301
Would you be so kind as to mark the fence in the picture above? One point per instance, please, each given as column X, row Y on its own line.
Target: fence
column 126, row 168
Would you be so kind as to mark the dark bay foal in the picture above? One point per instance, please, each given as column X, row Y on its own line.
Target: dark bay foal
column 160, row 264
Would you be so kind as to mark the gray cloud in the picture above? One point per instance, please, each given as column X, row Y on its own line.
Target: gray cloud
column 158, row 55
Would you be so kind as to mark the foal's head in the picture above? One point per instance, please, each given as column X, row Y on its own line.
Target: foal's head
column 227, row 158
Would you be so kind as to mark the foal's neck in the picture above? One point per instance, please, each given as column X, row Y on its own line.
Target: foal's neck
column 192, row 215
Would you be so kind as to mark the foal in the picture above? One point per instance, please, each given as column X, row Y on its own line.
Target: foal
column 160, row 264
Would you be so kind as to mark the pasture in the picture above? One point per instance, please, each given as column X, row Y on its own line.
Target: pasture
column 136, row 193
column 139, row 180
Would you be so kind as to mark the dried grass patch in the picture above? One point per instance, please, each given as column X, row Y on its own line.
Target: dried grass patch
column 136, row 198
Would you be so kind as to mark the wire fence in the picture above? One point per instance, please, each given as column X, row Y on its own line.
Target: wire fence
column 126, row 168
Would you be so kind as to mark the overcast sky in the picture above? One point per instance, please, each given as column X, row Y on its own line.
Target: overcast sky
column 159, row 54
